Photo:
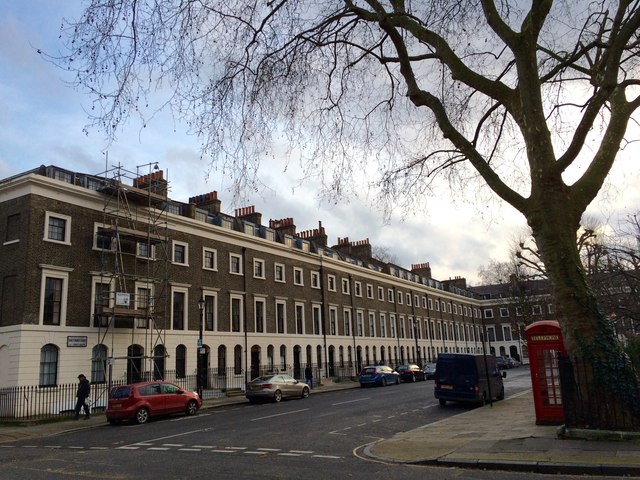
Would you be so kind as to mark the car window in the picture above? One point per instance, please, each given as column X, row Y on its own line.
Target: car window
column 153, row 389
column 170, row 388
column 368, row 371
column 120, row 392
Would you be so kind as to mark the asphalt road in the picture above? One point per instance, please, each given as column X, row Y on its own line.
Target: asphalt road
column 317, row 438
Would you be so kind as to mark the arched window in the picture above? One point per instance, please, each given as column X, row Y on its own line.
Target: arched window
column 283, row 358
column 159, row 354
column 237, row 360
column 181, row 361
column 222, row 360
column 48, row 366
column 98, row 364
column 270, row 361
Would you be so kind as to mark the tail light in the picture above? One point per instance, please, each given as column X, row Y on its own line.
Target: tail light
column 266, row 385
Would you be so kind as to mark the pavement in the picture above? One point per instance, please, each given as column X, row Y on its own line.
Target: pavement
column 501, row 436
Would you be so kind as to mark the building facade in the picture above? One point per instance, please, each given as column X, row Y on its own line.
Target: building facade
column 107, row 275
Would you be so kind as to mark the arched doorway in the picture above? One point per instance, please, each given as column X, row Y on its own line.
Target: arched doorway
column 297, row 369
column 255, row 361
column 134, row 363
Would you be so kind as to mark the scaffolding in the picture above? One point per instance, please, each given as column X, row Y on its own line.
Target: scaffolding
column 132, row 297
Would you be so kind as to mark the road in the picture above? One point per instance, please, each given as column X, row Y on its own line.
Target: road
column 316, row 438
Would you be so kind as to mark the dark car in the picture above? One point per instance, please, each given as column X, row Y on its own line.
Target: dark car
column 502, row 363
column 378, row 375
column 410, row 373
column 141, row 401
column 275, row 387
column 429, row 371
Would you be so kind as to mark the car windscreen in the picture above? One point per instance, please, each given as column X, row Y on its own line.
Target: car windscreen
column 120, row 392
column 456, row 370
column 368, row 371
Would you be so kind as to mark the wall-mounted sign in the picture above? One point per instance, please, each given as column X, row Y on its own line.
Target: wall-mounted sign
column 76, row 341
column 122, row 299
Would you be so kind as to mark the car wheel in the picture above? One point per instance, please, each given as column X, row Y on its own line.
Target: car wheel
column 192, row 408
column 442, row 401
column 501, row 395
column 277, row 396
column 398, row 381
column 305, row 392
column 413, row 378
column 383, row 382
column 142, row 415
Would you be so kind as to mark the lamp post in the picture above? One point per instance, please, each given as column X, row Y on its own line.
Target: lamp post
column 199, row 349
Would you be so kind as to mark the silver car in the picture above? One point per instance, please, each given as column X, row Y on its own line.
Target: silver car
column 276, row 387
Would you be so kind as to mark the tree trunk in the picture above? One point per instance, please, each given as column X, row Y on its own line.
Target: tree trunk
column 605, row 381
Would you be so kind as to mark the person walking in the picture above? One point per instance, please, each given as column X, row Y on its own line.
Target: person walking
column 84, row 388
column 308, row 376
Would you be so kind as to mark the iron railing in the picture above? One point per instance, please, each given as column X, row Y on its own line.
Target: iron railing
column 38, row 402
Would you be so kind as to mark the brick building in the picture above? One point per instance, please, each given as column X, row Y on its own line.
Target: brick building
column 106, row 274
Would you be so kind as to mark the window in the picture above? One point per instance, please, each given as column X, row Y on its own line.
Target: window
column 381, row 294
column 297, row 276
column 278, row 272
column 57, row 228
column 448, row 307
column 518, row 312
column 258, row 268
column 333, row 320
column 455, row 309
column 143, row 301
column 491, row 334
column 331, row 283
column 359, row 323
column 98, row 364
column 235, row 264
column 209, row 259
column 369, row 291
column 347, row 322
column 506, row 333
column 181, row 361
column 101, row 300
column 383, row 323
column 488, row 313
column 53, row 300
column 504, row 312
column 357, row 287
column 392, row 326
column 180, row 253
column 178, row 310
column 299, row 318
column 236, row 313
column 372, row 324
column 399, row 295
column 430, row 303
column 144, row 250
column 536, row 310
column 48, row 366
column 408, row 299
column 210, row 312
column 281, row 318
column 315, row 280
column 317, row 319
column 13, row 228
column 424, row 302
column 345, row 286
column 390, row 295
column 437, row 305
column 259, row 307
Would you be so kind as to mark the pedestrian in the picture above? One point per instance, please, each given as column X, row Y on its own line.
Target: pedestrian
column 84, row 387
column 308, row 376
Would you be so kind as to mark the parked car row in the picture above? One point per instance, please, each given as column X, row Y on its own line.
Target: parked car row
column 504, row 362
column 383, row 375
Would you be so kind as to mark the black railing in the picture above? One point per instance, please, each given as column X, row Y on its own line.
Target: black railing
column 37, row 403
column 586, row 404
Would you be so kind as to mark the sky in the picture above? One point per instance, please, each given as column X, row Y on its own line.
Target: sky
column 42, row 121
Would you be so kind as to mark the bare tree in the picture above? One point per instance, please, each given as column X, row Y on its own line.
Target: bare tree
column 510, row 94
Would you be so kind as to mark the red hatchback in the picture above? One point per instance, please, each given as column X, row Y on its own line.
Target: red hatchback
column 141, row 401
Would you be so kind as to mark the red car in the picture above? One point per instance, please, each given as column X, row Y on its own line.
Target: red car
column 141, row 401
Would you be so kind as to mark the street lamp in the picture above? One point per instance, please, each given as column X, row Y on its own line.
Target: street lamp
column 200, row 347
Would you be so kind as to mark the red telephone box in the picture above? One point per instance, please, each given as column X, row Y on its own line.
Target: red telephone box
column 545, row 343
